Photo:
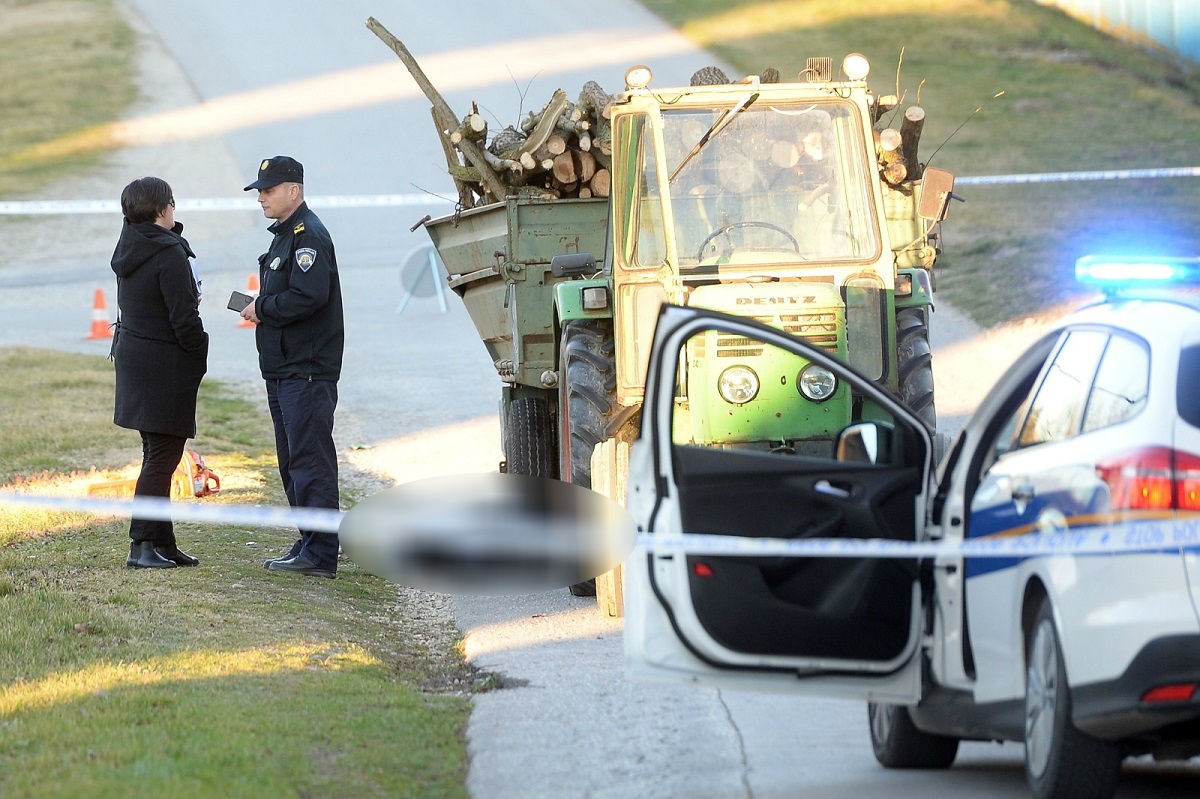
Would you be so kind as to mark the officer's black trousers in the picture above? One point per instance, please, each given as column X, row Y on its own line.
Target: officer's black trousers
column 302, row 411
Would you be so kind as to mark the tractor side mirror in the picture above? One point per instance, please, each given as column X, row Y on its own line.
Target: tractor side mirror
column 573, row 264
column 937, row 189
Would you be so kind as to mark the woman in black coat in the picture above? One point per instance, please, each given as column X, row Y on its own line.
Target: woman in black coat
column 161, row 353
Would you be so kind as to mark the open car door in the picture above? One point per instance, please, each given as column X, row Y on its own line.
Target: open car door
column 836, row 626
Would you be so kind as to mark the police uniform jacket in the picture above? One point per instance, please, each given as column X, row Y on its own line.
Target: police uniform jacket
column 161, row 349
column 300, row 302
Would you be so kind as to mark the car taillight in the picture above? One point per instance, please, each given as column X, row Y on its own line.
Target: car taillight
column 1177, row 692
column 1154, row 478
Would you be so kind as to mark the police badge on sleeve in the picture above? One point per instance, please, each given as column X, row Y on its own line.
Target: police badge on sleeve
column 305, row 258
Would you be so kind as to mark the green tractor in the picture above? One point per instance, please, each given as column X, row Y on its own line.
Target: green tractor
column 789, row 202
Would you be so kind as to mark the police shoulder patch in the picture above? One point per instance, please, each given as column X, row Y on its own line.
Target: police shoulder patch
column 305, row 258
column 298, row 228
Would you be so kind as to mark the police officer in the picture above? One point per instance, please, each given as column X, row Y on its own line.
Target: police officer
column 300, row 335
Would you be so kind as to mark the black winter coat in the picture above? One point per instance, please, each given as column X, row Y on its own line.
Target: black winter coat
column 161, row 349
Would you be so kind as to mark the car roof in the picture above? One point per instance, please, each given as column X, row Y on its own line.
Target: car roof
column 1148, row 314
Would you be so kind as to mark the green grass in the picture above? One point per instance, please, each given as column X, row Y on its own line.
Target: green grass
column 68, row 68
column 219, row 680
column 1074, row 99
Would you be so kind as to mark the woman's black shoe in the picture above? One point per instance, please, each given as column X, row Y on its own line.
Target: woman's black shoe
column 177, row 555
column 143, row 555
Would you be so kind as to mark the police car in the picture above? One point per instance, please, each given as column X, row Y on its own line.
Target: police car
column 1043, row 587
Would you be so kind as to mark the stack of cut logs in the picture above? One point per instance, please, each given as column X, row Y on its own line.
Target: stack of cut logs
column 561, row 151
column 565, row 149
column 897, row 149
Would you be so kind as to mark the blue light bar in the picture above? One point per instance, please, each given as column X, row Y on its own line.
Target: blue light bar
column 1126, row 271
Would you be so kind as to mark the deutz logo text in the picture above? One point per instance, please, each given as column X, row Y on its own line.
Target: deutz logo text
column 776, row 300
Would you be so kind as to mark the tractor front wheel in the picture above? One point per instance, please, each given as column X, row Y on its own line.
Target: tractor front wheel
column 915, row 361
column 587, row 390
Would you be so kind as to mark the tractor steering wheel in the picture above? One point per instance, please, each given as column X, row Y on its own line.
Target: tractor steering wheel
column 749, row 223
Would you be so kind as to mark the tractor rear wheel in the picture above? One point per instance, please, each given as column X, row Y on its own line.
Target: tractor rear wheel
column 529, row 438
column 915, row 361
column 587, row 390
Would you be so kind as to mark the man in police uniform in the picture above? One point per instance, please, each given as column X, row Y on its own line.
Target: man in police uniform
column 300, row 335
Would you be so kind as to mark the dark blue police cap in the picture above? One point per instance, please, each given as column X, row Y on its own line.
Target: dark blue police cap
column 280, row 169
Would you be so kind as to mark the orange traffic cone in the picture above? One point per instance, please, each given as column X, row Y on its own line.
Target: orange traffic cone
column 100, row 324
column 251, row 289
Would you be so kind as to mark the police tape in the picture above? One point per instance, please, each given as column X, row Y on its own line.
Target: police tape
column 1141, row 536
column 314, row 519
column 71, row 207
column 50, row 207
column 1072, row 177
column 1131, row 536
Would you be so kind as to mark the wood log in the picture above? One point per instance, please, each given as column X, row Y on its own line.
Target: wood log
column 785, row 154
column 585, row 164
column 910, row 131
column 601, row 183
column 585, row 193
column 709, row 76
column 592, row 101
column 895, row 172
column 564, row 168
column 883, row 104
column 546, row 123
column 466, row 197
column 473, row 127
column 889, row 140
column 472, row 152
column 501, row 165
column 555, row 145
column 507, row 143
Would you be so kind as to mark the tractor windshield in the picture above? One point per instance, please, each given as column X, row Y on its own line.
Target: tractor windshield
column 770, row 183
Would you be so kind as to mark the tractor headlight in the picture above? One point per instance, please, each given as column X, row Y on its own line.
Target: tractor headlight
column 738, row 385
column 816, row 382
column 856, row 67
column 637, row 77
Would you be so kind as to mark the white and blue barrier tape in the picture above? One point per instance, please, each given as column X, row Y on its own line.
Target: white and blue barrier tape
column 1073, row 177
column 49, row 207
column 316, row 519
column 72, row 207
column 1134, row 536
column 1141, row 536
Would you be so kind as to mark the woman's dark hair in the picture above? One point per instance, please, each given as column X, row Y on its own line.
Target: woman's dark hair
column 145, row 198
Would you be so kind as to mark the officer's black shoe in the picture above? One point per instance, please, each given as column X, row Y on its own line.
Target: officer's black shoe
column 143, row 555
column 291, row 553
column 302, row 565
column 177, row 555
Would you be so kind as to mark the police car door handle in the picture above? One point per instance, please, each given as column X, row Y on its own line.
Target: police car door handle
column 1023, row 492
column 826, row 487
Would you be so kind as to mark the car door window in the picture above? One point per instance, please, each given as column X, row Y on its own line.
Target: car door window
column 1122, row 382
column 1057, row 408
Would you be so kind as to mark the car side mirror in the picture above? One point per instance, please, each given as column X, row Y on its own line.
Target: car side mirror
column 864, row 442
column 573, row 264
column 937, row 189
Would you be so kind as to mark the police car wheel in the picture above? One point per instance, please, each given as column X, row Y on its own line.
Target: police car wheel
column 1060, row 761
column 898, row 743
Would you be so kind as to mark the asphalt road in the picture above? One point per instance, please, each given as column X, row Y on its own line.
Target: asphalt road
column 229, row 83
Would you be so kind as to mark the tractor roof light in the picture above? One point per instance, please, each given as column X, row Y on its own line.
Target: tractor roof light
column 1114, row 272
column 856, row 67
column 638, row 77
